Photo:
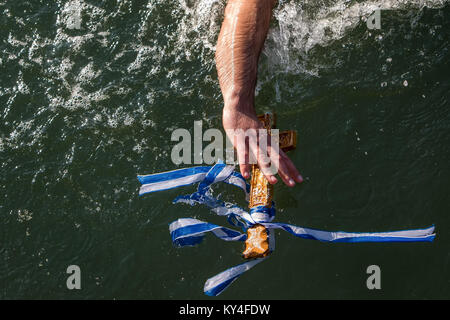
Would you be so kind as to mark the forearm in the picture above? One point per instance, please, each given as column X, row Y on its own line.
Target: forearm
column 238, row 48
column 240, row 42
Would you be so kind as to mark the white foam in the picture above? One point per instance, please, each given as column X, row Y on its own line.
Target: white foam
column 297, row 27
column 301, row 26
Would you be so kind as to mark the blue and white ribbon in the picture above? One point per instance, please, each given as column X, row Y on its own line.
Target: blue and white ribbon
column 189, row 232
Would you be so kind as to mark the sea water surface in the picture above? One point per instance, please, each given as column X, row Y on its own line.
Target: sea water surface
column 87, row 105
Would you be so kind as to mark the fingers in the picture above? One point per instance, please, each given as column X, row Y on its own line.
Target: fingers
column 279, row 162
column 268, row 173
column 293, row 170
column 287, row 171
column 242, row 155
column 267, row 165
column 245, row 170
column 284, row 173
column 270, row 159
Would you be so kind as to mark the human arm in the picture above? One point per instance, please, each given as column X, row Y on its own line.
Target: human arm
column 239, row 45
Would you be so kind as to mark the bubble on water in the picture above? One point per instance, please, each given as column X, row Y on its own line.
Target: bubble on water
column 79, row 98
column 140, row 147
column 24, row 215
column 69, row 156
column 112, row 122
column 145, row 53
column 87, row 74
column 147, row 123
column 98, row 117
column 21, row 85
column 150, row 97
column 128, row 120
column 24, row 133
column 15, row 42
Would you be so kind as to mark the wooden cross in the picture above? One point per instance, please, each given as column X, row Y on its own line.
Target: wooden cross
column 261, row 192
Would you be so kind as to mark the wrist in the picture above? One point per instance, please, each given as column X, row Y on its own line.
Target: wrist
column 239, row 103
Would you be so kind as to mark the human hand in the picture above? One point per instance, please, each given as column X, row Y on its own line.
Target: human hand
column 243, row 117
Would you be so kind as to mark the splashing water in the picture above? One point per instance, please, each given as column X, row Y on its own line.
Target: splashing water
column 68, row 72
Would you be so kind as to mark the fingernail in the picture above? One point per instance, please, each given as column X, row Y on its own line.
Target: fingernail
column 300, row 178
column 291, row 182
column 246, row 175
column 273, row 179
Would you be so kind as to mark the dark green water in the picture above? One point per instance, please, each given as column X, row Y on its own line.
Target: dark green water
column 83, row 111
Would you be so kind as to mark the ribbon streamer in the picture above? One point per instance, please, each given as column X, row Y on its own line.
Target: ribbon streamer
column 190, row 232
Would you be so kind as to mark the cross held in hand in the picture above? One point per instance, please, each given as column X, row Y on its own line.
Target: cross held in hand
column 261, row 192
